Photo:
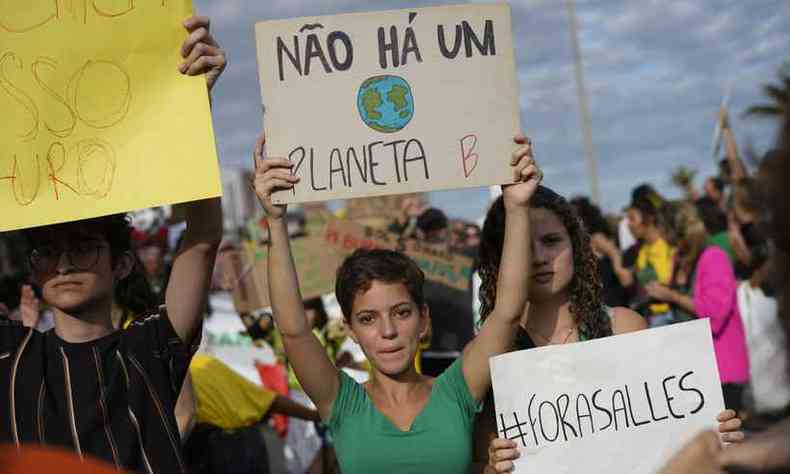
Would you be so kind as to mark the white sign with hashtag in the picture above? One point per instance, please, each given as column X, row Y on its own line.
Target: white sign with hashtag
column 617, row 404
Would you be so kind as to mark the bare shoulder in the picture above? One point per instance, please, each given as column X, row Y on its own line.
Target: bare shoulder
column 626, row 320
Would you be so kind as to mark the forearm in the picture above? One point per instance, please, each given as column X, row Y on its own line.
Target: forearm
column 685, row 302
column 737, row 168
column 514, row 268
column 624, row 275
column 190, row 278
column 286, row 406
column 204, row 221
column 185, row 409
column 318, row 376
column 283, row 283
column 741, row 250
column 497, row 334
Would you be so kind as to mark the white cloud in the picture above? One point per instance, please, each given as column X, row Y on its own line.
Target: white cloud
column 655, row 72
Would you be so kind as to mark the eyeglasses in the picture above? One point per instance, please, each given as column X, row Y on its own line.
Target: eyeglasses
column 82, row 256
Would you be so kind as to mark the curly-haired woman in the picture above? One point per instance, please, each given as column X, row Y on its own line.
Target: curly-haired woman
column 564, row 297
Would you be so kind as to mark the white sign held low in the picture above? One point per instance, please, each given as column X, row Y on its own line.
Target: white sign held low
column 618, row 404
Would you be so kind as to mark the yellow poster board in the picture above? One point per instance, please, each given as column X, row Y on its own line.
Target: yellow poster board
column 96, row 117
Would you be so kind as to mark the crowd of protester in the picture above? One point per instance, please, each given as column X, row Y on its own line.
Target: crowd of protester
column 100, row 334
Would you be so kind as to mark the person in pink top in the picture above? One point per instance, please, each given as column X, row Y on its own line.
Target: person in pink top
column 704, row 286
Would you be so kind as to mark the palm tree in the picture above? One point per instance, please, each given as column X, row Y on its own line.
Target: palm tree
column 778, row 94
column 683, row 178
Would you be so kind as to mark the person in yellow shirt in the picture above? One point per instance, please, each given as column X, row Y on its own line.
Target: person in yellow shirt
column 230, row 409
column 654, row 261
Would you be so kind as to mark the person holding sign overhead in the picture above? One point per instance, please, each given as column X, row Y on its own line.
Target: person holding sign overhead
column 399, row 421
column 564, row 305
column 86, row 386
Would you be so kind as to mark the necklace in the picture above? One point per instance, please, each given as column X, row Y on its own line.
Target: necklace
column 548, row 339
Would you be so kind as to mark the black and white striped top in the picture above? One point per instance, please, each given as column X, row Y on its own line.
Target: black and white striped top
column 112, row 398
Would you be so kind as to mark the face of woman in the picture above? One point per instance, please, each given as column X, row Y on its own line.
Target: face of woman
column 388, row 325
column 636, row 223
column 552, row 256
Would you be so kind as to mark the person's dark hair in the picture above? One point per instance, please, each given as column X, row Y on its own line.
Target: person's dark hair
column 317, row 305
column 116, row 230
column 712, row 216
column 748, row 195
column 650, row 212
column 432, row 220
column 776, row 176
column 364, row 266
column 10, row 289
column 718, row 183
column 591, row 216
column 134, row 293
column 585, row 287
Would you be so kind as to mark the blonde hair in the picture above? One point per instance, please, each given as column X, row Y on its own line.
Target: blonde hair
column 691, row 235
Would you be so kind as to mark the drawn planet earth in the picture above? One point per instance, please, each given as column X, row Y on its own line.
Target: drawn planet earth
column 385, row 103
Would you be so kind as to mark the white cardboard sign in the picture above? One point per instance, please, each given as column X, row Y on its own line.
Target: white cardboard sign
column 390, row 102
column 618, row 404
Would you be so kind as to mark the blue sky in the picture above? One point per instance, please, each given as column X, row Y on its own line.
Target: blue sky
column 655, row 73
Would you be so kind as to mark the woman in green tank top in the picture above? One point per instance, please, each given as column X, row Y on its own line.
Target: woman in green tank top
column 564, row 303
column 399, row 421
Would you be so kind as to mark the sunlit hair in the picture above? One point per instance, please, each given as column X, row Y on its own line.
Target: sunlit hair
column 586, row 304
column 691, row 236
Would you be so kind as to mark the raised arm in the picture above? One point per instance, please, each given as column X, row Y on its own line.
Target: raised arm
column 312, row 366
column 190, row 278
column 497, row 334
column 737, row 168
column 609, row 248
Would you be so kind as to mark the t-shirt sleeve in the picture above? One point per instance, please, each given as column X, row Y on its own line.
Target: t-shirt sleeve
column 453, row 383
column 349, row 399
column 153, row 341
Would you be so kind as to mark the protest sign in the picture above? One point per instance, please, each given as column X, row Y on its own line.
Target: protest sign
column 438, row 264
column 96, row 111
column 315, row 265
column 390, row 102
column 619, row 404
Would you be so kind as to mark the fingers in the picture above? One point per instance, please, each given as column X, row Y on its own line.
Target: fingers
column 200, row 50
column 726, row 415
column 194, row 22
column 522, row 139
column 274, row 165
column 260, row 148
column 199, row 36
column 504, row 466
column 730, row 425
column 733, row 437
column 520, row 153
column 501, row 453
column 205, row 64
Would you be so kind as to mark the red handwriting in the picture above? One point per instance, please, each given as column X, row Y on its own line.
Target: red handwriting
column 469, row 158
column 86, row 167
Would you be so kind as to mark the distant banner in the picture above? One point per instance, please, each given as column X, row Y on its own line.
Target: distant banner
column 618, row 404
column 315, row 264
column 390, row 102
column 443, row 267
column 96, row 117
